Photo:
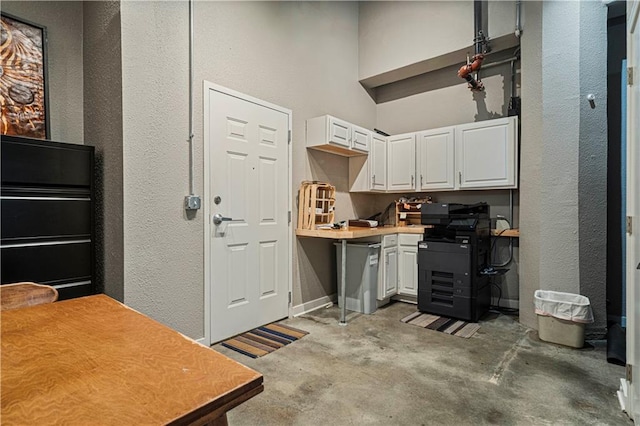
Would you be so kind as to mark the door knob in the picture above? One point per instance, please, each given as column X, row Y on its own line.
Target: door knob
column 218, row 219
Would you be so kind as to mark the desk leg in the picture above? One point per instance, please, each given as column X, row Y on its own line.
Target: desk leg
column 219, row 421
column 343, row 284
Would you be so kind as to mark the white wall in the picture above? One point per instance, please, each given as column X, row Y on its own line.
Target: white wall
column 400, row 33
column 285, row 53
column 63, row 21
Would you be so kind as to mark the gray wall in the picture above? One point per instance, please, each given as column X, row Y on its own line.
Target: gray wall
column 563, row 162
column 103, row 129
column 285, row 53
column 65, row 73
column 399, row 33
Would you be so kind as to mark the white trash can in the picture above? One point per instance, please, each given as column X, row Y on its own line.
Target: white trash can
column 562, row 317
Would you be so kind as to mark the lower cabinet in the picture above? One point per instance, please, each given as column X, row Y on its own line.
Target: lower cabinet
column 398, row 271
column 408, row 264
column 388, row 270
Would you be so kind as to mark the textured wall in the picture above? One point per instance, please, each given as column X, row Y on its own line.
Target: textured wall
column 563, row 162
column 65, row 73
column 592, row 162
column 531, row 149
column 285, row 53
column 103, row 129
column 400, row 33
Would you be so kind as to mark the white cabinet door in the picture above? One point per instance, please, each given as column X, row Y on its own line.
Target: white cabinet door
column 486, row 154
column 361, row 138
column 408, row 264
column 401, row 161
column 369, row 172
column 378, row 163
column 339, row 132
column 389, row 272
column 435, row 154
column 388, row 268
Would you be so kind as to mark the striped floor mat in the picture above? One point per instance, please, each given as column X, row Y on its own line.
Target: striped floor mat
column 264, row 340
column 446, row 325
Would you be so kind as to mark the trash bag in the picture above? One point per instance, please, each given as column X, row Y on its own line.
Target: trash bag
column 566, row 306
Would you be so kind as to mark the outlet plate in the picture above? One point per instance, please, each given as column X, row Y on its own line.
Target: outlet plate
column 192, row 202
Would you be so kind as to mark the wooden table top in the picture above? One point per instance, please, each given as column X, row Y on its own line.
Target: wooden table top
column 356, row 232
column 95, row 361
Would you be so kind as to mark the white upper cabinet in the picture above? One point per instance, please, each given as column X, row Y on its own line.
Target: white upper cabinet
column 369, row 173
column 487, row 154
column 330, row 134
column 378, row 163
column 361, row 138
column 435, row 154
column 401, row 162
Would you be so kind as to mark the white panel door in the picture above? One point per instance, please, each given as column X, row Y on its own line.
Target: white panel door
column 248, row 185
column 436, row 159
column 378, row 163
column 388, row 284
column 361, row 138
column 486, row 154
column 401, row 156
column 633, row 211
column 408, row 264
column 339, row 132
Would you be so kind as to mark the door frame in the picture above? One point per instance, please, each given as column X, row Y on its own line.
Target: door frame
column 207, row 88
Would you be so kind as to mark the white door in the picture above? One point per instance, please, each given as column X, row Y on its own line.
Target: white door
column 248, row 187
column 408, row 264
column 436, row 168
column 339, row 132
column 361, row 138
column 390, row 270
column 401, row 156
column 486, row 154
column 378, row 163
column 633, row 211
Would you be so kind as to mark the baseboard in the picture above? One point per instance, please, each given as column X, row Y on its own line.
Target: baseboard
column 312, row 305
column 201, row 341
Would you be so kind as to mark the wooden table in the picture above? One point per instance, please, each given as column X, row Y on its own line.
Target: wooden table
column 95, row 361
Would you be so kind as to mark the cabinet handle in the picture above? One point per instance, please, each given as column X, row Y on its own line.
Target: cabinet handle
column 373, row 180
column 460, row 178
column 421, row 184
column 412, row 180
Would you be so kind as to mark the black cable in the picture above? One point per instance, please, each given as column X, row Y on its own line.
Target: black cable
column 501, row 309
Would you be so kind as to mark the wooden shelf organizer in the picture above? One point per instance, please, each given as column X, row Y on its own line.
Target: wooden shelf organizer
column 316, row 204
column 408, row 213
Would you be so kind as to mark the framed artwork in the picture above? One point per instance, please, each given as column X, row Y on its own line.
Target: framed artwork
column 23, row 78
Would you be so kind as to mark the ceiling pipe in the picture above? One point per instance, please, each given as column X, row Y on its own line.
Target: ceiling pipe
column 480, row 46
column 518, row 31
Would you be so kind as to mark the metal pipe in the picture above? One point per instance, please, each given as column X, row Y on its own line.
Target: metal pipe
column 477, row 15
column 191, row 78
column 505, row 61
column 518, row 31
column 513, row 79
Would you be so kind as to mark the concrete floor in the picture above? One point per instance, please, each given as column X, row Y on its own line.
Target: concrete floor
column 378, row 370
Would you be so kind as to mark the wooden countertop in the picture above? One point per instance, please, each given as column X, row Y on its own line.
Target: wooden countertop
column 356, row 232
column 93, row 360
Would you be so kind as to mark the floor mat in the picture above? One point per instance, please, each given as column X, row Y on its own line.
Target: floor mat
column 443, row 324
column 264, row 340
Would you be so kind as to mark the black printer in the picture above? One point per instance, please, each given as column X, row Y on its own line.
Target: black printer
column 451, row 257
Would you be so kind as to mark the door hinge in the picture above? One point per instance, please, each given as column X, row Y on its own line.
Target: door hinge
column 629, row 225
column 630, row 76
column 289, row 136
column 629, row 373
column 289, row 216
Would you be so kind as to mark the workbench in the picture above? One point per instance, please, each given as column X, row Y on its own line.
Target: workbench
column 352, row 233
